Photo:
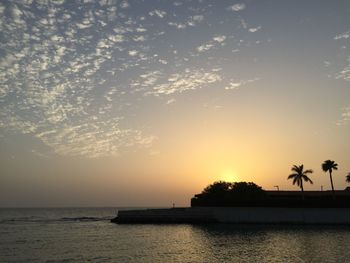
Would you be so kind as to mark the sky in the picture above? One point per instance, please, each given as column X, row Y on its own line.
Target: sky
column 144, row 103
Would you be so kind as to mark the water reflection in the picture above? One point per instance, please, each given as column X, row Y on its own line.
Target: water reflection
column 42, row 235
column 265, row 243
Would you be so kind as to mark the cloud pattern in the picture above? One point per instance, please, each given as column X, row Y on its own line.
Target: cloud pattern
column 344, row 73
column 71, row 71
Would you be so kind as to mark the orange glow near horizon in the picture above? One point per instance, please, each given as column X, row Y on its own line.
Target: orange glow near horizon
column 229, row 175
column 141, row 103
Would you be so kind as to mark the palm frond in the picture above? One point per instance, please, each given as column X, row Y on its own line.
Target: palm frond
column 310, row 171
column 292, row 176
column 329, row 165
column 300, row 175
column 348, row 178
column 295, row 180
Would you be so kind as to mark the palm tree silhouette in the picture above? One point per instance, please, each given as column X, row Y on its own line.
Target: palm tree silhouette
column 299, row 175
column 329, row 166
column 348, row 178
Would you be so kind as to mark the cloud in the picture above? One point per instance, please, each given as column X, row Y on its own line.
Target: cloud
column 188, row 80
column 170, row 101
column 254, row 29
column 191, row 21
column 198, row 18
column 116, row 38
column 237, row 7
column 133, row 53
column 94, row 139
column 124, row 5
column 235, row 84
column 344, row 35
column 139, row 38
column 219, row 39
column 72, row 74
column 56, row 79
column 158, row 13
column 178, row 25
column 345, row 118
column 204, row 47
column 344, row 73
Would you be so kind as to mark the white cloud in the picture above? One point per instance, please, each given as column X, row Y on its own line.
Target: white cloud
column 141, row 29
column 116, row 38
column 190, row 21
column 177, row 25
column 133, row 53
column 344, row 35
column 254, row 29
column 158, row 13
column 233, row 85
column 2, row 8
column 188, row 80
column 204, row 47
column 57, row 2
column 75, row 78
column 237, row 7
column 344, row 73
column 17, row 16
column 219, row 38
column 139, row 38
column 124, row 5
column 345, row 117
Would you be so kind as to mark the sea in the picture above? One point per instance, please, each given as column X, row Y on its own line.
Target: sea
column 87, row 235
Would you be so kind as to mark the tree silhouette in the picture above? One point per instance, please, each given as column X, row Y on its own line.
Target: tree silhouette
column 246, row 191
column 329, row 166
column 348, row 178
column 299, row 175
column 217, row 188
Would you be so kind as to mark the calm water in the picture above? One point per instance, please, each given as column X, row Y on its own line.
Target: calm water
column 85, row 234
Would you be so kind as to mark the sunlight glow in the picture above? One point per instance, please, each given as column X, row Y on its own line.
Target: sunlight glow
column 228, row 175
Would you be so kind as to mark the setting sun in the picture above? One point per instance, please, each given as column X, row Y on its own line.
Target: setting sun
column 228, row 175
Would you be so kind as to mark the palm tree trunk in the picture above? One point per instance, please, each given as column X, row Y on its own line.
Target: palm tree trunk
column 330, row 176
column 302, row 190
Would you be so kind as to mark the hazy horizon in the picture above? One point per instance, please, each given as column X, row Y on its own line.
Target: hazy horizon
column 144, row 103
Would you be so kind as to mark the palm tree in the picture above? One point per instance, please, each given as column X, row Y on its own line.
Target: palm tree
column 329, row 166
column 299, row 175
column 348, row 178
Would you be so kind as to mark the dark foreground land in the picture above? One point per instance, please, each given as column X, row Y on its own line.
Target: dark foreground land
column 292, row 199
column 273, row 207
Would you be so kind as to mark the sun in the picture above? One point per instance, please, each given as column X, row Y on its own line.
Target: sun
column 228, row 175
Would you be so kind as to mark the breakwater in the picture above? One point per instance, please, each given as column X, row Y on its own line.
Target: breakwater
column 172, row 215
column 237, row 215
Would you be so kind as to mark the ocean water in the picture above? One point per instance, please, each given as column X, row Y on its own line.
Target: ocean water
column 86, row 235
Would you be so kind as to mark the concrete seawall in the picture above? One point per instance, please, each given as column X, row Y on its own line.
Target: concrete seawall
column 237, row 215
column 172, row 215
